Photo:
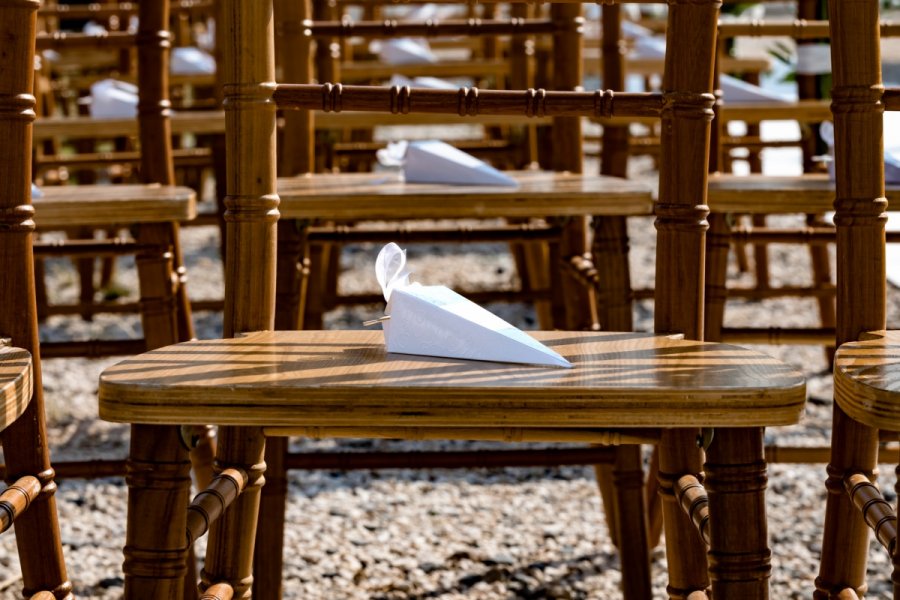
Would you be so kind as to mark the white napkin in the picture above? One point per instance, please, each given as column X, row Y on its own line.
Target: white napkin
column 112, row 99
column 188, row 60
column 36, row 192
column 433, row 161
column 93, row 28
column 735, row 90
column 436, row 321
column 404, row 51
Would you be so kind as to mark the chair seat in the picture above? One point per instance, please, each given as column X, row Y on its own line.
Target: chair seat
column 16, row 384
column 386, row 196
column 812, row 194
column 345, row 378
column 107, row 205
column 867, row 379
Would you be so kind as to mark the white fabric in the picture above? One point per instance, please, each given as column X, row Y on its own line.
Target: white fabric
column 112, row 99
column 436, row 321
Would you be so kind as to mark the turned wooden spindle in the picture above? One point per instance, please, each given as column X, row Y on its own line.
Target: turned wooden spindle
column 431, row 28
column 157, row 472
column 219, row 591
column 681, row 227
column 470, row 101
column 251, row 219
column 24, row 441
column 878, row 514
column 861, row 288
column 16, row 498
column 694, row 501
column 212, row 501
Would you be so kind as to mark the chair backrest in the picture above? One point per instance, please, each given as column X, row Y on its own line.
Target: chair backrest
column 24, row 442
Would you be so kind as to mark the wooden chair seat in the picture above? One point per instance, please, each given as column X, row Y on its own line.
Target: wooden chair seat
column 345, row 379
column 16, row 384
column 386, row 196
column 867, row 379
column 109, row 205
column 813, row 194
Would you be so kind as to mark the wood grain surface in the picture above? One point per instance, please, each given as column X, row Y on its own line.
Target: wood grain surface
column 379, row 195
column 16, row 383
column 771, row 194
column 867, row 379
column 102, row 205
column 346, row 378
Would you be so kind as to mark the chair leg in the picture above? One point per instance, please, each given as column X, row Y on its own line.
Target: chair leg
column 40, row 285
column 631, row 522
column 37, row 530
column 685, row 550
column 229, row 555
column 182, row 302
column 159, row 486
column 160, row 321
column 580, row 306
column 821, row 268
column 86, row 278
column 845, row 543
column 718, row 244
column 268, row 560
column 739, row 554
column 317, row 255
column 761, row 257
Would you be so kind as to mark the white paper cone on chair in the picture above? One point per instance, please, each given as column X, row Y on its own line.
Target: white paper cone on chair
column 433, row 161
column 112, row 99
column 434, row 320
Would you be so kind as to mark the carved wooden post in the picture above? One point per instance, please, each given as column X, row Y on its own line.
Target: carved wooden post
column 297, row 158
column 580, row 312
column 681, row 227
column 625, row 503
column 37, row 531
column 859, row 206
column 158, row 470
column 251, row 219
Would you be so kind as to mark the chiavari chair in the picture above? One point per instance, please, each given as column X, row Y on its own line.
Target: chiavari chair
column 152, row 209
column 342, row 383
column 866, row 365
column 28, row 501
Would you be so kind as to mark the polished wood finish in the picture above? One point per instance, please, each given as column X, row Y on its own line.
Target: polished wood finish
column 867, row 380
column 111, row 205
column 774, row 194
column 468, row 102
column 16, row 499
column 16, row 384
column 385, row 196
column 24, row 440
column 307, row 377
column 859, row 218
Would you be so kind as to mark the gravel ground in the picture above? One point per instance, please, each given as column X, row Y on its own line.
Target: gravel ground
column 486, row 534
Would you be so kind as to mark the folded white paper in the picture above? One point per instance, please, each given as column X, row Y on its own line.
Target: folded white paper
column 432, row 83
column 891, row 146
column 93, row 28
column 405, row 51
column 191, row 61
column 36, row 192
column 735, row 90
column 112, row 99
column 813, row 59
column 436, row 321
column 433, row 161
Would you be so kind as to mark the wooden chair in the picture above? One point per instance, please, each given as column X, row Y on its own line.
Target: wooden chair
column 29, row 497
column 549, row 195
column 865, row 374
column 268, row 383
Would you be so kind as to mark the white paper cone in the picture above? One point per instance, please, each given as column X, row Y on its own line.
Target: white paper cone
column 433, row 161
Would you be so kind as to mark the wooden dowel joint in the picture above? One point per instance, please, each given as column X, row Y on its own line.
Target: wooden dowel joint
column 209, row 504
column 16, row 499
column 692, row 497
column 877, row 512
